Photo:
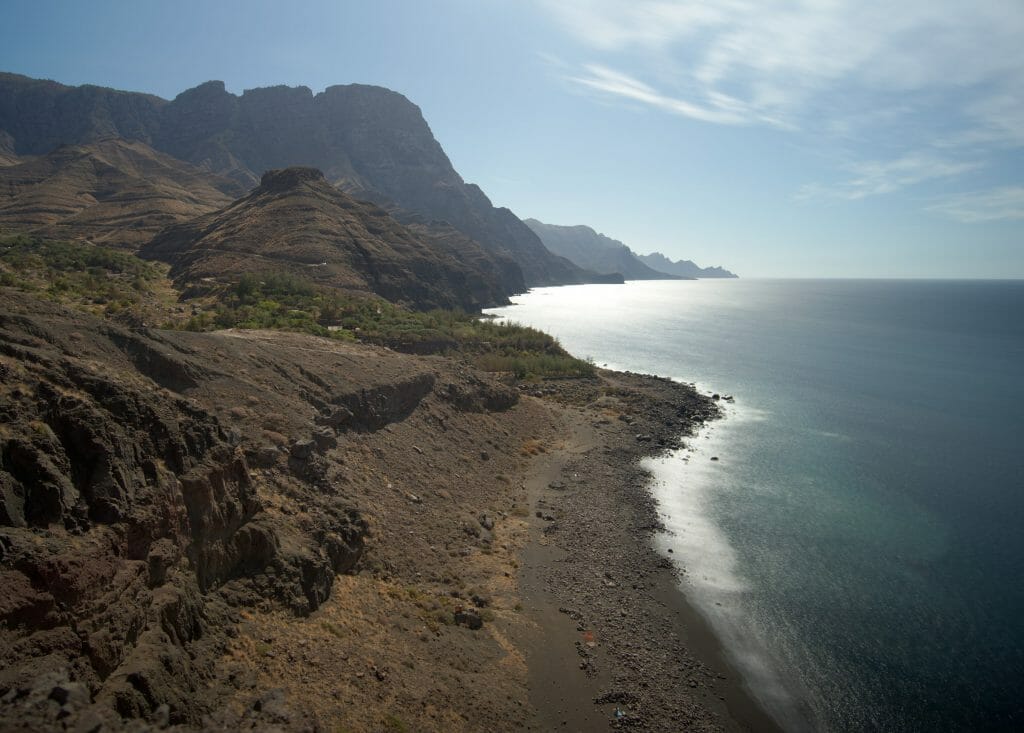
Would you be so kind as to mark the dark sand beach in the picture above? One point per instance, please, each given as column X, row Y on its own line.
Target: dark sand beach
column 616, row 642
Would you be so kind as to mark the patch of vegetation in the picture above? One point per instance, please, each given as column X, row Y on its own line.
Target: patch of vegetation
column 115, row 283
column 394, row 723
column 104, row 279
column 283, row 301
column 274, row 300
column 333, row 629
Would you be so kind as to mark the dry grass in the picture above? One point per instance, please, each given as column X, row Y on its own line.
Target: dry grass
column 532, row 447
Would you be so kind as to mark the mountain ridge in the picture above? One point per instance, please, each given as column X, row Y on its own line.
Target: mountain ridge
column 362, row 137
column 589, row 249
column 683, row 268
column 111, row 191
column 297, row 222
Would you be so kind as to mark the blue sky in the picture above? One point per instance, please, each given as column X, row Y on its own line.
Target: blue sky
column 831, row 138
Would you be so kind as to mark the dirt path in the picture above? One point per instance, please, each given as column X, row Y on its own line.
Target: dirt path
column 560, row 693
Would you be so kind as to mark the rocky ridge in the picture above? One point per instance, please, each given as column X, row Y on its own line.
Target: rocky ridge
column 113, row 192
column 585, row 247
column 297, row 222
column 683, row 268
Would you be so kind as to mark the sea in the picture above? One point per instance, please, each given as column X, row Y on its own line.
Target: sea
column 853, row 528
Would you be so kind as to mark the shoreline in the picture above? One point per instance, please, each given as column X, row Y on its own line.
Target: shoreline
column 460, row 609
column 613, row 623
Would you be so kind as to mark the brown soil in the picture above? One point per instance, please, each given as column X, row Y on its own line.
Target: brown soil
column 581, row 617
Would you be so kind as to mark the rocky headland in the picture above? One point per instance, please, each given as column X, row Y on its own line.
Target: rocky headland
column 593, row 251
column 585, row 247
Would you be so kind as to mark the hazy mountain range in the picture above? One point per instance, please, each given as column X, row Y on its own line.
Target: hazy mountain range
column 682, row 268
column 593, row 251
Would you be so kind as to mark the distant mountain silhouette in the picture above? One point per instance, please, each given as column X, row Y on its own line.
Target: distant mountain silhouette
column 588, row 249
column 683, row 268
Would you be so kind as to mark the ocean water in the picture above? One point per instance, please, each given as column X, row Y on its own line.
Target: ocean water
column 859, row 543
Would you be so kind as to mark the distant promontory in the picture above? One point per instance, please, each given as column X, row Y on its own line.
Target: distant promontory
column 590, row 250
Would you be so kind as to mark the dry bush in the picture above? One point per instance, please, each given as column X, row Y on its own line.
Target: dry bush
column 532, row 447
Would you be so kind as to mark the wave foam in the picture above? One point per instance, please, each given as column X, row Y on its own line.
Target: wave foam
column 683, row 483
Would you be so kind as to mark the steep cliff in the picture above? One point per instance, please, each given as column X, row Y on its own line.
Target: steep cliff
column 40, row 115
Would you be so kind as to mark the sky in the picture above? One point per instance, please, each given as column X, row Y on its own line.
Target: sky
column 824, row 138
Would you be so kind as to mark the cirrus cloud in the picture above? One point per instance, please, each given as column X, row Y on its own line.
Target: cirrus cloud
column 996, row 204
column 919, row 90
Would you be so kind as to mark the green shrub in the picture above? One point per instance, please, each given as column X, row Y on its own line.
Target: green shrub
column 76, row 271
column 283, row 301
column 119, row 281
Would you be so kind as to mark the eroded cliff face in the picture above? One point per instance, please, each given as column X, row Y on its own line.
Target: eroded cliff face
column 368, row 139
column 156, row 485
column 39, row 115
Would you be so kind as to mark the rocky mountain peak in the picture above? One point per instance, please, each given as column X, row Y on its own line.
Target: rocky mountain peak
column 214, row 86
column 286, row 179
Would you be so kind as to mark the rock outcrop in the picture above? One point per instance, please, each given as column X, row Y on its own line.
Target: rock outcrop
column 124, row 505
column 143, row 476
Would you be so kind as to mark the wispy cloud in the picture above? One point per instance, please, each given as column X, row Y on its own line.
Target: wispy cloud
column 996, row 204
column 603, row 79
column 996, row 120
column 774, row 57
column 924, row 90
column 876, row 177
